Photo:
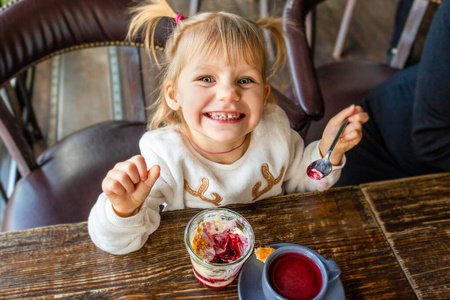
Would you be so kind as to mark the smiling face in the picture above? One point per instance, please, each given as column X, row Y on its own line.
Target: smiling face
column 220, row 102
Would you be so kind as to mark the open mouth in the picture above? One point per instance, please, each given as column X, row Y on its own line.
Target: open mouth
column 225, row 116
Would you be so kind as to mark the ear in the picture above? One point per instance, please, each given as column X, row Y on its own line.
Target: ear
column 170, row 96
column 266, row 93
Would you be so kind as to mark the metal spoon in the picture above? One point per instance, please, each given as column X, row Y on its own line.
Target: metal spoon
column 320, row 168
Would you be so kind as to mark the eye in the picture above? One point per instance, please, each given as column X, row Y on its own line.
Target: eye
column 207, row 79
column 245, row 80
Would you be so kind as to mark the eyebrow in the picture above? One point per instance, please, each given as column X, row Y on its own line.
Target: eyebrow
column 212, row 66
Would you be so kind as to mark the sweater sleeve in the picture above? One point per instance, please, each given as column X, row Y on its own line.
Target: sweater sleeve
column 118, row 235
column 296, row 179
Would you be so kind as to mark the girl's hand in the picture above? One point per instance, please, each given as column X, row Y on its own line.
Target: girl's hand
column 128, row 184
column 350, row 137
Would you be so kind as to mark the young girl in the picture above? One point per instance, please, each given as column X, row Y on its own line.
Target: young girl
column 217, row 136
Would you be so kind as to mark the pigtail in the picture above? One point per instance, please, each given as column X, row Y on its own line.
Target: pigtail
column 145, row 19
column 275, row 27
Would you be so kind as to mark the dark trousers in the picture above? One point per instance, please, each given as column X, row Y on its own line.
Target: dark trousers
column 408, row 132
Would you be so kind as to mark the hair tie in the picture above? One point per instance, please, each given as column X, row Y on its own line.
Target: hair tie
column 178, row 18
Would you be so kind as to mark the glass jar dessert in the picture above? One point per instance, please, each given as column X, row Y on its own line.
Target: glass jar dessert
column 219, row 241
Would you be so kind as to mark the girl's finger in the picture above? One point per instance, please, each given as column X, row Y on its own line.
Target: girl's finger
column 343, row 114
column 122, row 178
column 361, row 117
column 354, row 135
column 353, row 126
column 141, row 166
column 358, row 109
column 130, row 169
column 111, row 186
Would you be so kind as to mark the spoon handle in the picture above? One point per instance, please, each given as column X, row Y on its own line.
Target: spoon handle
column 336, row 138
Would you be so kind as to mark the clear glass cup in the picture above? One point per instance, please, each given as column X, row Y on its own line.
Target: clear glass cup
column 218, row 275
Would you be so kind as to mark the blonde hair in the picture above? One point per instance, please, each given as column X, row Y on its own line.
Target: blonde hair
column 205, row 34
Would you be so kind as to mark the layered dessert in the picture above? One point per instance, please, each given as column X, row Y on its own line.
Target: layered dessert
column 219, row 245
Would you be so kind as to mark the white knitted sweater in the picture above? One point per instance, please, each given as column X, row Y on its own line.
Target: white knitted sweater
column 274, row 163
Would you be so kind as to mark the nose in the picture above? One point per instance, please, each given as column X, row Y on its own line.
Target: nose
column 228, row 93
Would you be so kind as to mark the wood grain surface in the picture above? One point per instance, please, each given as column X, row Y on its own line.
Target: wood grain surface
column 414, row 214
column 61, row 261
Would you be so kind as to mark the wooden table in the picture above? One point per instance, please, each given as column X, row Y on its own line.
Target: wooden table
column 391, row 240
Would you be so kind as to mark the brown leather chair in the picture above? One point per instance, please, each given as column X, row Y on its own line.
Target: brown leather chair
column 63, row 183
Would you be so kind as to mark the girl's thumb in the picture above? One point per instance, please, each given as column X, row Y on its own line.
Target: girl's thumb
column 144, row 187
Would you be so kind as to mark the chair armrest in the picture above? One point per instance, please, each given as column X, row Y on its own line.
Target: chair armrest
column 304, row 79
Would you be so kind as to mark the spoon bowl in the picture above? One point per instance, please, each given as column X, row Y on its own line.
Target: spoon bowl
column 322, row 167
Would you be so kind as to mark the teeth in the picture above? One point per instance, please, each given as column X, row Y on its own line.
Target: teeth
column 224, row 116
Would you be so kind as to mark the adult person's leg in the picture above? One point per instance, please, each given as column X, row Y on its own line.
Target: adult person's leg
column 431, row 112
column 375, row 157
column 387, row 149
